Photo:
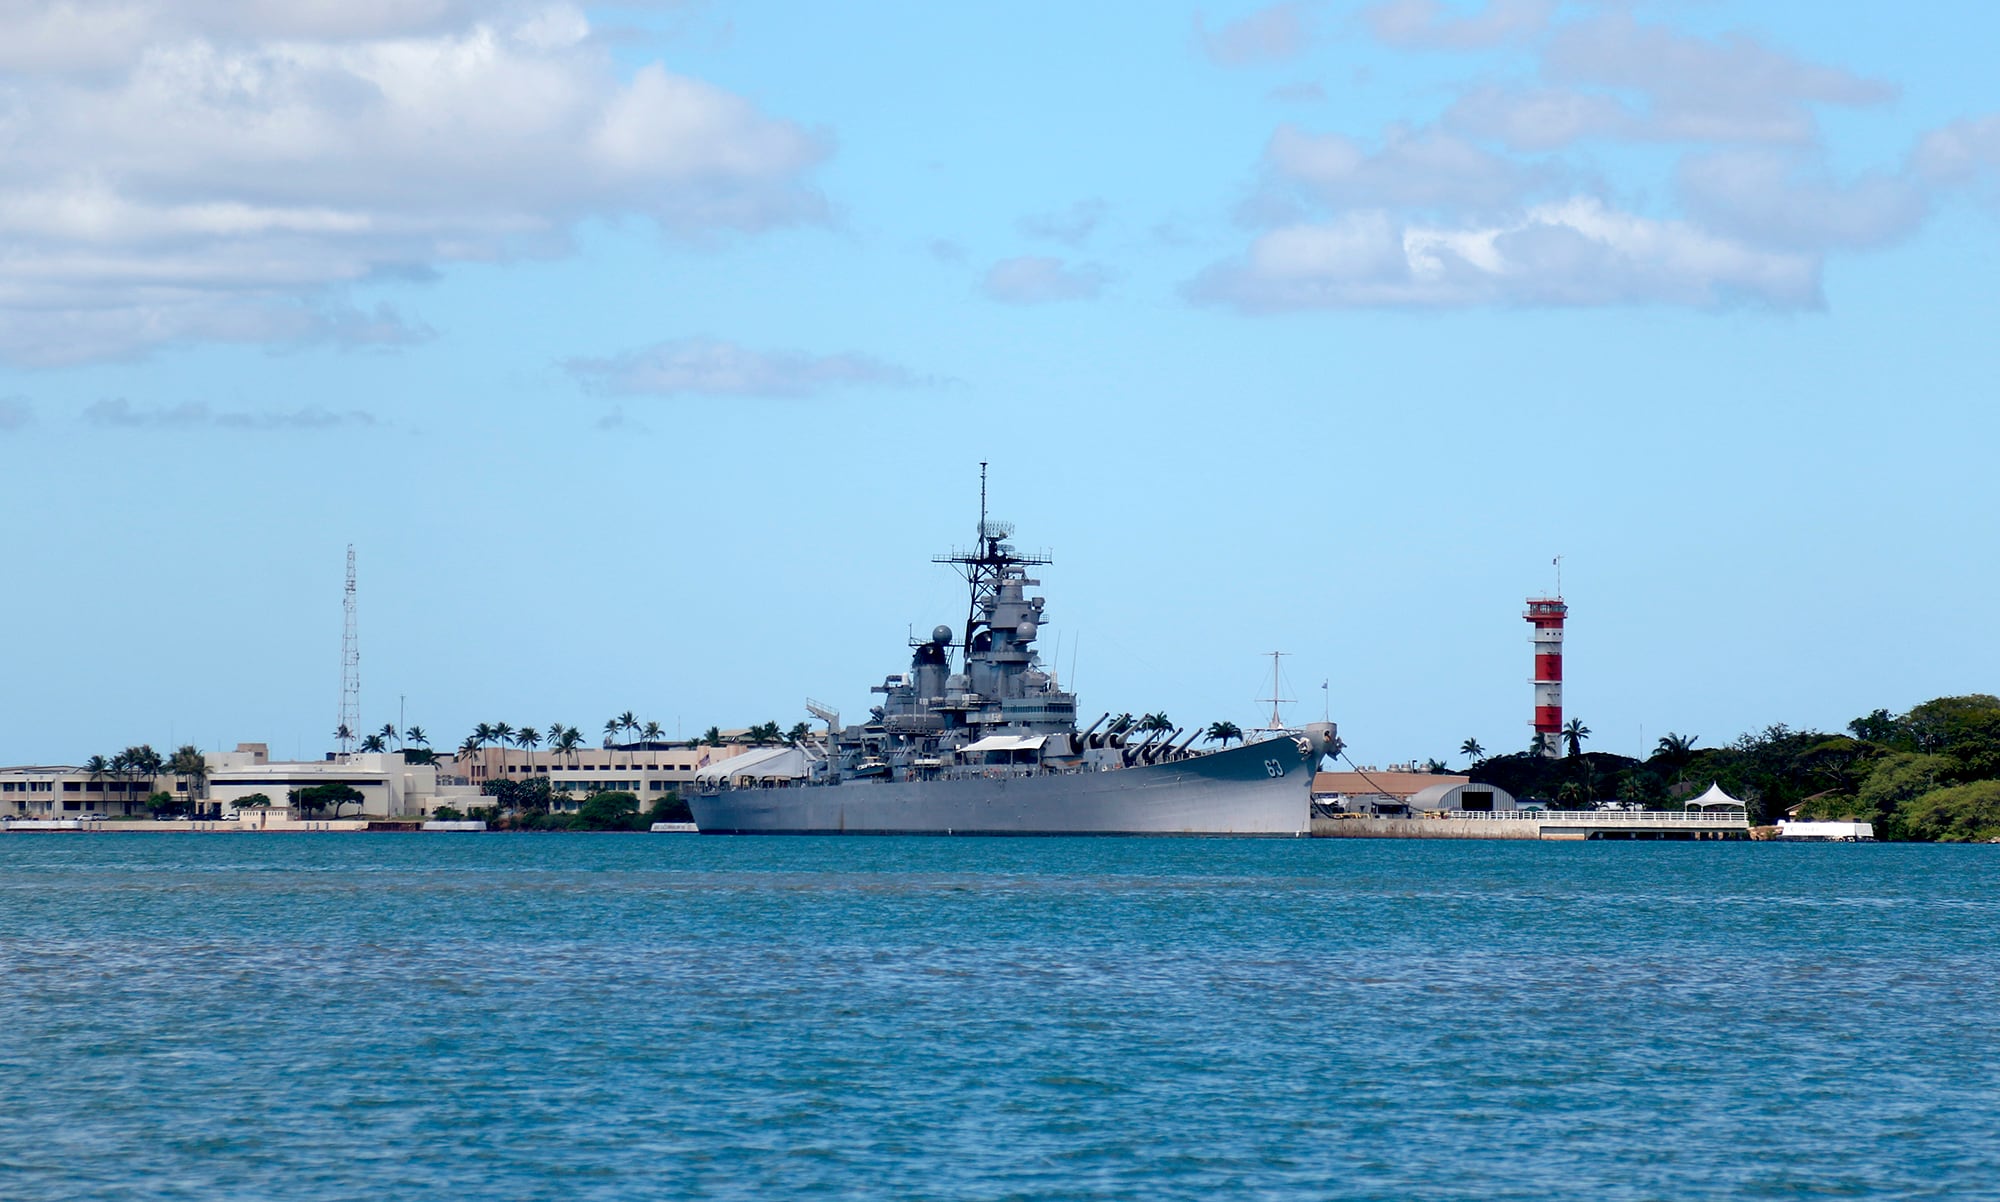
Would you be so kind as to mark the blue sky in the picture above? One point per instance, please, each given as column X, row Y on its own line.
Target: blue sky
column 646, row 354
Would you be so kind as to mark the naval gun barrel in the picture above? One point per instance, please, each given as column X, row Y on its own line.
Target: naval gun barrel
column 1077, row 742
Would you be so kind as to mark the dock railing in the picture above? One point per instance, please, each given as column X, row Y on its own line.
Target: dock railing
column 1598, row 815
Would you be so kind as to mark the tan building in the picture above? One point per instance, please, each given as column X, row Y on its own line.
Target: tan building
column 647, row 770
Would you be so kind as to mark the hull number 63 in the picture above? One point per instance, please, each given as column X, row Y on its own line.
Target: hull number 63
column 1273, row 768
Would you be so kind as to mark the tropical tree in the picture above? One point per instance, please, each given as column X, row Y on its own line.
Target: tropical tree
column 470, row 748
column 1676, row 749
column 98, row 767
column 318, row 797
column 187, row 764
column 628, row 722
column 388, row 733
column 527, row 739
column 416, row 735
column 343, row 736
column 502, row 734
column 137, row 764
column 374, row 743
column 764, row 733
column 566, row 740
column 1471, row 749
column 1157, row 721
column 1574, row 733
column 712, row 736
column 799, row 732
column 652, row 733
column 611, row 728
column 1222, row 732
column 1119, row 725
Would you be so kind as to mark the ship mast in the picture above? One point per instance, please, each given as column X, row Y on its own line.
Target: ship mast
column 1276, row 697
column 983, row 567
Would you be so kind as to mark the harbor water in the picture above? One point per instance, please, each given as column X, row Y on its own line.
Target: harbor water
column 625, row 1016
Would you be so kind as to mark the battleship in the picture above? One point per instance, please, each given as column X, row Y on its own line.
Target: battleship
column 993, row 747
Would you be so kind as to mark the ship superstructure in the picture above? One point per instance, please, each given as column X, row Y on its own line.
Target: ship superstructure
column 994, row 745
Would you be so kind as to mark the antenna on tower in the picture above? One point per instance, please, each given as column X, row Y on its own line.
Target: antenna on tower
column 350, row 665
column 1558, row 562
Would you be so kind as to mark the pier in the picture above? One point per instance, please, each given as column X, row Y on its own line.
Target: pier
column 1690, row 825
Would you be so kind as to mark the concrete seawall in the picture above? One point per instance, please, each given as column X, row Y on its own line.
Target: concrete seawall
column 1560, row 824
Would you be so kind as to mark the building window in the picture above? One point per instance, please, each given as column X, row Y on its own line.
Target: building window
column 70, row 786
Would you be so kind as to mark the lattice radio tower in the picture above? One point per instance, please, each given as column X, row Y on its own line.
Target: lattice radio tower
column 350, row 665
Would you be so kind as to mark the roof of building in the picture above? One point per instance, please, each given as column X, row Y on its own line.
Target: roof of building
column 1388, row 784
column 1437, row 797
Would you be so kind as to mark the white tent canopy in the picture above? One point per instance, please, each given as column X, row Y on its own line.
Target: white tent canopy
column 1006, row 743
column 769, row 763
column 1716, row 799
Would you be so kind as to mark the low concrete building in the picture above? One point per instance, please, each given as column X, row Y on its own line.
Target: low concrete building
column 389, row 786
column 648, row 771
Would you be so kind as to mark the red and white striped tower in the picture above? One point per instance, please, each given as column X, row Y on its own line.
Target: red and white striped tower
column 1546, row 615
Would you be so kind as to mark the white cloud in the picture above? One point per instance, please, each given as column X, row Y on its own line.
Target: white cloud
column 1780, row 198
column 1539, row 119
column 711, row 367
column 1037, row 280
column 1728, row 89
column 1429, row 24
column 119, row 413
column 1961, row 152
column 1568, row 253
column 1424, row 168
column 1072, row 226
column 1268, row 35
column 238, row 165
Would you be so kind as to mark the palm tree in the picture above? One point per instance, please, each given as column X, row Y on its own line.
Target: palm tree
column 799, row 732
column 628, row 722
column 527, row 739
column 502, row 734
column 470, row 747
column 712, row 736
column 388, row 733
column 188, row 764
column 1223, row 732
column 374, row 743
column 567, row 740
column 1158, row 721
column 652, row 733
column 1471, row 749
column 764, row 733
column 611, row 728
column 416, row 735
column 1574, row 733
column 1120, row 724
column 1675, row 747
column 343, row 736
column 1677, row 750
column 99, row 768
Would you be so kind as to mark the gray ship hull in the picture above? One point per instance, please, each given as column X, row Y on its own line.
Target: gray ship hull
column 1257, row 789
